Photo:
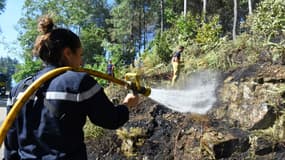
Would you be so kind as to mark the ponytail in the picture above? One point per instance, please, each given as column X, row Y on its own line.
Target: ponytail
column 52, row 41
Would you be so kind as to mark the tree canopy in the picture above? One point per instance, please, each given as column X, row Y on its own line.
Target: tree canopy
column 129, row 29
column 2, row 5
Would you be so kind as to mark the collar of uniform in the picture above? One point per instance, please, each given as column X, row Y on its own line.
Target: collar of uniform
column 45, row 70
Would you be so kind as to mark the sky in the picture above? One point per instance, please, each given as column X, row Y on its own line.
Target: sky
column 8, row 22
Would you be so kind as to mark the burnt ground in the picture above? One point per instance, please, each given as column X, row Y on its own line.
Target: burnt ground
column 162, row 130
column 169, row 135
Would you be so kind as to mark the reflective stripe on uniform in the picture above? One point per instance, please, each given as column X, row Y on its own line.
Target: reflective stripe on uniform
column 54, row 95
column 11, row 101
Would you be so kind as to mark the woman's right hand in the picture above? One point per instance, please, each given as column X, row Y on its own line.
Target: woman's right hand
column 131, row 100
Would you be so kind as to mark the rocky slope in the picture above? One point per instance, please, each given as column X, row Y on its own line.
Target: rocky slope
column 247, row 122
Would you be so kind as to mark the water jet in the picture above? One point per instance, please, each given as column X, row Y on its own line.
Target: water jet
column 195, row 93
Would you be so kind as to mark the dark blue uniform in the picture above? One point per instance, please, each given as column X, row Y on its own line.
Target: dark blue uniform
column 177, row 54
column 50, row 125
column 110, row 70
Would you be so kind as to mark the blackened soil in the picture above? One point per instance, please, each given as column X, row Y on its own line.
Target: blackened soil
column 161, row 128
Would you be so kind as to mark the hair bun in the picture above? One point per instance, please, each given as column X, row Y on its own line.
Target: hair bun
column 45, row 24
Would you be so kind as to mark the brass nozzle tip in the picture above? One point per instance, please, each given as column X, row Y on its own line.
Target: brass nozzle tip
column 147, row 92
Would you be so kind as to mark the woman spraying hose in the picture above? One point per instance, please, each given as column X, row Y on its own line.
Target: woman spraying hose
column 50, row 124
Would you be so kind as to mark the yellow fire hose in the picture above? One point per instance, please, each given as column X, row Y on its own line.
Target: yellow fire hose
column 11, row 116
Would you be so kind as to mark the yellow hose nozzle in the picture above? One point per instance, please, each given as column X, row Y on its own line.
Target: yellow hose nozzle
column 146, row 91
column 140, row 89
column 135, row 86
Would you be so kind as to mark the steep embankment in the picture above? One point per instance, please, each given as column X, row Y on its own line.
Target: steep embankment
column 247, row 121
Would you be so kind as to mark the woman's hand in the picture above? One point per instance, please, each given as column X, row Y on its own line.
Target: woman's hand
column 131, row 100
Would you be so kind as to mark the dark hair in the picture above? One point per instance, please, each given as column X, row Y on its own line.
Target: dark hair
column 181, row 47
column 51, row 42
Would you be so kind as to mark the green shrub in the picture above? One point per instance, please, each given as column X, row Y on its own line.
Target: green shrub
column 268, row 20
column 209, row 32
column 92, row 131
column 29, row 68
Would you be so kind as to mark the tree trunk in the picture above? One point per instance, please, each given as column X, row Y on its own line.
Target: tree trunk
column 185, row 8
column 140, row 27
column 144, row 26
column 204, row 10
column 235, row 19
column 161, row 15
column 249, row 7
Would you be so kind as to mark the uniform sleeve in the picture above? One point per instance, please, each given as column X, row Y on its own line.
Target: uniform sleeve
column 102, row 112
column 11, row 140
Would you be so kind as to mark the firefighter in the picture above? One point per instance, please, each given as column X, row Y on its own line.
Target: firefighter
column 50, row 124
column 110, row 68
column 176, row 58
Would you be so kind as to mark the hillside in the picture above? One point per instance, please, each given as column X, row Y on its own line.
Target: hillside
column 246, row 122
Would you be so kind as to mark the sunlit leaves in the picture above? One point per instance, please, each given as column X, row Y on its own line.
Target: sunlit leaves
column 209, row 32
column 84, row 17
column 269, row 19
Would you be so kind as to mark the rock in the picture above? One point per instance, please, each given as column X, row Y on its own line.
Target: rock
column 267, row 121
column 249, row 103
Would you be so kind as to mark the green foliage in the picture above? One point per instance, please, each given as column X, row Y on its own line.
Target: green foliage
column 121, row 19
column 8, row 67
column 161, row 47
column 269, row 19
column 125, row 29
column 114, row 50
column 210, row 32
column 186, row 31
column 80, row 19
column 205, row 48
column 184, row 27
column 115, row 53
column 229, row 54
column 28, row 33
column 99, row 65
column 268, row 24
column 91, row 39
column 128, row 21
column 92, row 131
column 187, row 26
column 183, row 31
column 170, row 16
column 28, row 69
column 2, row 5
column 151, row 63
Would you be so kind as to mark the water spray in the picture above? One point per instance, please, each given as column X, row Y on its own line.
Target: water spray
column 195, row 94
